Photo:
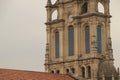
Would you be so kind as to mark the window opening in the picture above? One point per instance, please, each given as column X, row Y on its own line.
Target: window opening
column 85, row 8
column 57, row 44
column 99, row 37
column 100, row 8
column 83, row 72
column 54, row 15
column 71, row 41
column 87, row 39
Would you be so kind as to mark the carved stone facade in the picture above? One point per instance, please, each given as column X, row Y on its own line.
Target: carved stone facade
column 79, row 14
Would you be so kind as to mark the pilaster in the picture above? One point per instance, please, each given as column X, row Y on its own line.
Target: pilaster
column 76, row 39
column 113, row 77
column 61, row 9
column 93, row 39
column 107, row 7
column 61, row 42
column 103, row 77
column 92, row 6
column 48, row 14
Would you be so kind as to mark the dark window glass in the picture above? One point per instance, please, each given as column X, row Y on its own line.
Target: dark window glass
column 57, row 71
column 85, row 8
column 67, row 71
column 89, row 71
column 87, row 39
column 52, row 71
column 83, row 72
column 99, row 43
column 71, row 41
column 57, row 44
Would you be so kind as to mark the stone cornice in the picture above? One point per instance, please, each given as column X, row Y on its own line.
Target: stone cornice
column 55, row 21
column 67, row 61
column 86, row 15
column 69, row 1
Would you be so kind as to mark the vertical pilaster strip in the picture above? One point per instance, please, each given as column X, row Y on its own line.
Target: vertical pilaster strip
column 108, row 38
column 76, row 41
column 60, row 11
column 92, row 6
column 93, row 40
column 47, row 55
column 61, row 42
column 77, row 8
column 113, row 77
column 48, row 14
column 103, row 77
column 107, row 7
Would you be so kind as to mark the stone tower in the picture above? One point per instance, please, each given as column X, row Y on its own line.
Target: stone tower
column 78, row 39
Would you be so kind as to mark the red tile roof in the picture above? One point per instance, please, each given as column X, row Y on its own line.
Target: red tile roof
column 7, row 74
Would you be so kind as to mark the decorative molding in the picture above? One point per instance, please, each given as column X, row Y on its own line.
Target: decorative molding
column 86, row 15
column 55, row 21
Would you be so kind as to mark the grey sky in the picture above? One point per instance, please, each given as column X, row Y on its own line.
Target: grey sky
column 23, row 33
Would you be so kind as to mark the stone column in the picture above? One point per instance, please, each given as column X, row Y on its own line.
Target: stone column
column 103, row 77
column 77, row 69
column 108, row 38
column 119, row 76
column 61, row 42
column 77, row 10
column 93, row 40
column 82, row 49
column 48, row 8
column 92, row 6
column 76, row 40
column 52, row 45
column 48, row 14
column 94, row 69
column 48, row 34
column 61, row 11
column 47, row 55
column 107, row 26
column 107, row 7
column 113, row 77
column 48, row 44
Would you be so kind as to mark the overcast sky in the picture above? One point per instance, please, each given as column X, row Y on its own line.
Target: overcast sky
column 23, row 33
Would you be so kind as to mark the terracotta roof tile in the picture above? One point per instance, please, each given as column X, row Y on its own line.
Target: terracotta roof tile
column 7, row 74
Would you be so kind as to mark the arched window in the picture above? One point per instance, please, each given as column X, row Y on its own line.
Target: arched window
column 55, row 15
column 89, row 71
column 100, row 8
column 52, row 71
column 67, row 71
column 57, row 44
column 83, row 72
column 84, row 8
column 71, row 40
column 99, row 38
column 73, row 70
column 57, row 71
column 87, row 39
column 53, row 1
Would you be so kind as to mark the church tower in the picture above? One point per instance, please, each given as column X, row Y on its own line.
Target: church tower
column 78, row 39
